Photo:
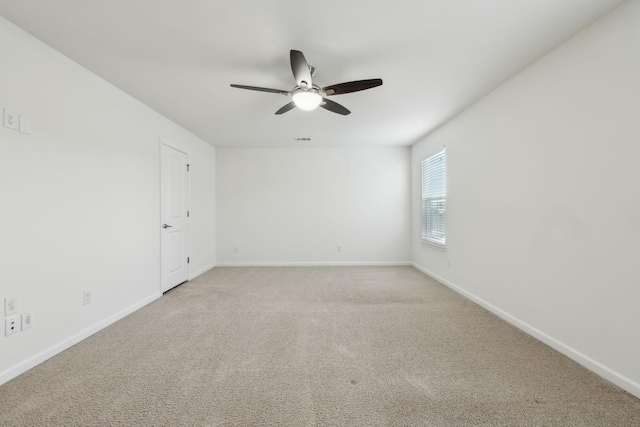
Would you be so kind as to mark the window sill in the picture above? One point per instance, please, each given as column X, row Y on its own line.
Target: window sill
column 434, row 244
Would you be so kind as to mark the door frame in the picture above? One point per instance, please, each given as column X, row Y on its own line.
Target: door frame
column 165, row 142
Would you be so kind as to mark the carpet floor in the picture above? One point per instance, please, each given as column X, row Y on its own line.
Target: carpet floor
column 307, row 346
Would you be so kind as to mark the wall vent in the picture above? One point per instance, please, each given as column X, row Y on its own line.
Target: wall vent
column 302, row 139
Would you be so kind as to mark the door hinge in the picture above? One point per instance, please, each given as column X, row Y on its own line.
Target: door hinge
column 188, row 167
column 188, row 260
column 187, row 214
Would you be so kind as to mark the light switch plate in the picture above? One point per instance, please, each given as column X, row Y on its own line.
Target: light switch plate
column 26, row 321
column 25, row 124
column 10, row 120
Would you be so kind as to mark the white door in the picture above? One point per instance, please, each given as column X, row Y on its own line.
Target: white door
column 174, row 212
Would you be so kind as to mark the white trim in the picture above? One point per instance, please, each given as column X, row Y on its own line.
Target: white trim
column 312, row 264
column 48, row 353
column 605, row 372
column 434, row 243
column 204, row 270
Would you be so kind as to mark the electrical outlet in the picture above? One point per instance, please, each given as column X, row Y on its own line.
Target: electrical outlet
column 339, row 248
column 26, row 321
column 11, row 325
column 236, row 249
column 87, row 297
column 10, row 120
column 10, row 305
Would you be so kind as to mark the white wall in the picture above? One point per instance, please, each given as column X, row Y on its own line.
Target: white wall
column 80, row 199
column 543, row 199
column 296, row 205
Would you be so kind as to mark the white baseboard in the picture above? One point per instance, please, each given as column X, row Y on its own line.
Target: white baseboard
column 33, row 361
column 605, row 372
column 202, row 271
column 312, row 264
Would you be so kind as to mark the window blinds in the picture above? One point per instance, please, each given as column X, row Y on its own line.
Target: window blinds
column 434, row 192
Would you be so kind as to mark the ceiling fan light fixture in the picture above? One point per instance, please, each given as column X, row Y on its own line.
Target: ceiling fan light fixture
column 307, row 99
column 308, row 96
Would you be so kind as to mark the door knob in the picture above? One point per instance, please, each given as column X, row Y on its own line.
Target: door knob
column 166, row 226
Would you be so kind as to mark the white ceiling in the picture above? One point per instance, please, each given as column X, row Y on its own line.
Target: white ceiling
column 436, row 57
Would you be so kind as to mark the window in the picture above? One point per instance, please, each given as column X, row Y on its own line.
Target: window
column 434, row 194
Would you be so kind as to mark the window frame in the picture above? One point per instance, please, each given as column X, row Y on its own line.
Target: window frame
column 427, row 232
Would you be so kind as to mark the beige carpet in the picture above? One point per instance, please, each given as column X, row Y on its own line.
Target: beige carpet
column 370, row 346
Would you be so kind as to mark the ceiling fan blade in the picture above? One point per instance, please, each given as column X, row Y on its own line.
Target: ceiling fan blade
column 349, row 87
column 328, row 104
column 262, row 89
column 300, row 68
column 288, row 107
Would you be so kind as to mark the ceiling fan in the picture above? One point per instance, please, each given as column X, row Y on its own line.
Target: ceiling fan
column 308, row 96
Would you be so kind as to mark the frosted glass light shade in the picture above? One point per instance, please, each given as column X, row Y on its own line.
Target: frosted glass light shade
column 307, row 100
